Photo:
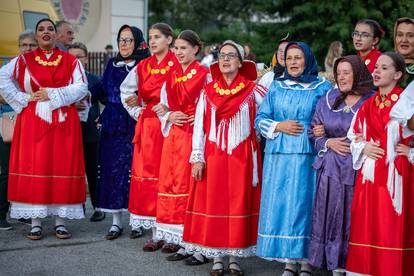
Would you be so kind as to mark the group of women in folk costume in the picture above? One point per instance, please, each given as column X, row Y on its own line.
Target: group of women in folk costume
column 336, row 186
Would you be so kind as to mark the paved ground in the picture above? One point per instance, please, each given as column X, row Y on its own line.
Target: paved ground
column 88, row 253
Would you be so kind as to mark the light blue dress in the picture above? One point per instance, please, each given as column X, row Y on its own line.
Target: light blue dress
column 288, row 178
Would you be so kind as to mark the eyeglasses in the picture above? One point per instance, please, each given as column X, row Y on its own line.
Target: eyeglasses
column 229, row 56
column 126, row 41
column 30, row 46
column 363, row 35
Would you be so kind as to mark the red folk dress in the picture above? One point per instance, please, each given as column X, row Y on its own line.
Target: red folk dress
column 223, row 208
column 371, row 58
column 382, row 216
column 148, row 141
column 182, row 91
column 47, row 175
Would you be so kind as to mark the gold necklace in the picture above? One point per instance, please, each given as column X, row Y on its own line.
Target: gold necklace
column 48, row 63
column 381, row 100
column 233, row 91
column 184, row 78
column 161, row 71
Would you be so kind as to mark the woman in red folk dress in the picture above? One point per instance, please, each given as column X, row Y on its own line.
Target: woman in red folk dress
column 366, row 38
column 180, row 95
column 47, row 175
column 223, row 209
column 147, row 78
column 382, row 216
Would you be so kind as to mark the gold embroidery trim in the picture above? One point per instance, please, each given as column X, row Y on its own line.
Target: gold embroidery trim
column 172, row 195
column 233, row 91
column 48, row 63
column 145, row 178
column 46, row 176
column 221, row 216
column 381, row 247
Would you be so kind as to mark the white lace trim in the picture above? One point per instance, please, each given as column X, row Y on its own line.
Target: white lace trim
column 22, row 210
column 111, row 210
column 411, row 156
column 197, row 156
column 209, row 252
column 171, row 233
column 141, row 221
column 288, row 261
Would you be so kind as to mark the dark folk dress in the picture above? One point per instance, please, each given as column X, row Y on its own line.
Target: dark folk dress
column 334, row 186
column 115, row 148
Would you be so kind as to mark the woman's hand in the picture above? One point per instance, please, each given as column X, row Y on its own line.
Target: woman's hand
column 132, row 101
column 160, row 109
column 402, row 149
column 197, row 171
column 373, row 150
column 191, row 120
column 178, row 118
column 318, row 130
column 40, row 95
column 290, row 127
column 339, row 145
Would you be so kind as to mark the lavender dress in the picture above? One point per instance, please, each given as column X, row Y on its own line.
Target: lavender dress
column 334, row 186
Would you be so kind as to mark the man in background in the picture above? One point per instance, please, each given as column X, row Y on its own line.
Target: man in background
column 65, row 35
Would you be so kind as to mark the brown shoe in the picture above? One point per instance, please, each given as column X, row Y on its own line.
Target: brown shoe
column 114, row 234
column 62, row 233
column 151, row 245
column 35, row 235
column 170, row 248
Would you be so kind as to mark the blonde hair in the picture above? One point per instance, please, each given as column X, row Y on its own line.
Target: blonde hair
column 333, row 53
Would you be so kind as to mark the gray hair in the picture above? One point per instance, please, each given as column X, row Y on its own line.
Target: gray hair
column 27, row 34
column 60, row 23
column 79, row 45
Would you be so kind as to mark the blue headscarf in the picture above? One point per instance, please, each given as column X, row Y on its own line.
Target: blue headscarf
column 310, row 73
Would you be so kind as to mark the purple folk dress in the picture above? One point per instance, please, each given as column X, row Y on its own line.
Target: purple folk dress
column 334, row 186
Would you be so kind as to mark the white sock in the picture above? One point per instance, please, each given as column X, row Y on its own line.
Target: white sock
column 154, row 234
column 305, row 267
column 36, row 222
column 181, row 251
column 116, row 220
column 218, row 263
column 337, row 273
column 198, row 256
column 60, row 221
column 233, row 263
column 290, row 267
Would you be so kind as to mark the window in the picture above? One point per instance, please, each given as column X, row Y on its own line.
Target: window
column 31, row 18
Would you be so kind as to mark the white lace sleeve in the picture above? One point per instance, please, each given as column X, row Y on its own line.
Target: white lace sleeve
column 357, row 148
column 403, row 110
column 197, row 154
column 74, row 92
column 165, row 124
column 267, row 79
column 129, row 87
column 411, row 156
column 16, row 98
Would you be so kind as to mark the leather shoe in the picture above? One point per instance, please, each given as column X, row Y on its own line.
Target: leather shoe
column 97, row 216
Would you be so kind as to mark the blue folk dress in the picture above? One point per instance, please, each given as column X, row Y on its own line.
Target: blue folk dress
column 115, row 146
column 288, row 177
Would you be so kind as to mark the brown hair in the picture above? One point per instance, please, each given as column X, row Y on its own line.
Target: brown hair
column 398, row 62
column 333, row 53
column 164, row 28
column 192, row 38
column 376, row 28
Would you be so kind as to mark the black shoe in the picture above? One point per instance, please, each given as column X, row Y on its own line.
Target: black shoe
column 97, row 216
column 177, row 257
column 5, row 225
column 25, row 221
column 114, row 234
column 194, row 261
column 136, row 233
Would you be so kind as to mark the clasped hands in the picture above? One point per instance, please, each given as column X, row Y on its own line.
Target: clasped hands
column 39, row 96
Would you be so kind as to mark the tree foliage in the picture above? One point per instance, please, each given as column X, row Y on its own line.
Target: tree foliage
column 317, row 23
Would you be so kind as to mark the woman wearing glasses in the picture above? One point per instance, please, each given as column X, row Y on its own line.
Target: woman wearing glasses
column 366, row 37
column 288, row 178
column 148, row 78
column 223, row 208
column 115, row 149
